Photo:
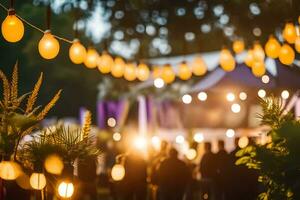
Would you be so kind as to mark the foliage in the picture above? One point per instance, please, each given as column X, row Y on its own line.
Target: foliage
column 17, row 119
column 277, row 161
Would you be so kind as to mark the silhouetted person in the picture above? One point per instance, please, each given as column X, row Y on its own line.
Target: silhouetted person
column 173, row 176
column 208, row 171
column 134, row 183
column 223, row 166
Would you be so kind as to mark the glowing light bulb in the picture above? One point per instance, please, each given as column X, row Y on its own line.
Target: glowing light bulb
column 118, row 68
column 258, row 53
column 140, row 142
column 48, row 46
column 179, row 139
column 130, row 72
column 258, row 68
column 111, row 122
column 37, row 181
column 167, row 74
column 54, row 164
column 227, row 61
column 118, row 172
column 65, row 189
column 184, row 72
column 230, row 133
column 261, row 93
column 77, row 52
column 91, row 59
column 105, row 63
column 238, row 46
column 187, row 99
column 117, row 137
column 286, row 55
column 289, row 33
column 143, row 72
column 235, row 108
column 249, row 58
column 191, row 154
column 285, row 94
column 9, row 170
column 272, row 48
column 12, row 27
column 198, row 137
column 243, row 142
column 159, row 83
column 265, row 79
column 202, row 96
column 230, row 97
column 199, row 67
column 243, row 96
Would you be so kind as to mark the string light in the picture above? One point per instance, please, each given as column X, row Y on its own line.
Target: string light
column 285, row 94
column 272, row 48
column 258, row 68
column 159, row 83
column 249, row 58
column 12, row 27
column 227, row 61
column 230, row 97
column 243, row 96
column 198, row 137
column 289, row 33
column 238, row 46
column 265, row 79
column 48, row 46
column 199, row 67
column 167, row 74
column 286, row 55
column 187, row 99
column 235, row 108
column 77, row 52
column 156, row 142
column 105, row 63
column 230, row 133
column 191, row 154
column 91, row 59
column 117, row 137
column 143, row 72
column 184, row 72
column 202, row 96
column 261, row 93
column 118, row 68
column 37, row 181
column 65, row 189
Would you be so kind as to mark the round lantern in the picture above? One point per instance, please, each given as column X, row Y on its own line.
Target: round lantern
column 238, row 46
column 65, row 189
column 130, row 72
column 289, row 33
column 199, row 67
column 297, row 44
column 9, row 170
column 184, row 72
column 118, row 172
column 143, row 72
column 286, row 55
column 258, row 52
column 37, row 181
column 48, row 46
column 272, row 48
column 227, row 61
column 258, row 68
column 91, row 59
column 77, row 52
column 249, row 58
column 168, row 75
column 117, row 69
column 105, row 63
column 12, row 27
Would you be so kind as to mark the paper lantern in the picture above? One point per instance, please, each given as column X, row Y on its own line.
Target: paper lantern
column 258, row 52
column 77, row 52
column 91, row 59
column 37, row 181
column 118, row 172
column 168, row 75
column 12, row 27
column 297, row 44
column 48, row 46
column 258, row 68
column 272, row 48
column 286, row 55
column 238, row 46
column 184, row 72
column 157, row 72
column 130, row 72
column 65, row 189
column 118, row 68
column 249, row 58
column 105, row 63
column 143, row 72
column 199, row 67
column 9, row 170
column 289, row 33
column 54, row 164
column 227, row 61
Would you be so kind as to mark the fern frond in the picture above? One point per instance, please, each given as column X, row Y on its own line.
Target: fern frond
column 14, row 86
column 32, row 98
column 48, row 107
column 86, row 128
column 6, row 88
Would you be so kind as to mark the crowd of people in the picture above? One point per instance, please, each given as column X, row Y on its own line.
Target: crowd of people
column 164, row 176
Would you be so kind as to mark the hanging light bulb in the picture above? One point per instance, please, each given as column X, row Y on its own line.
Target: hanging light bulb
column 157, row 72
column 168, row 75
column 9, row 170
column 289, row 33
column 65, row 189
column 12, row 27
column 272, row 47
column 297, row 44
column 130, row 72
column 143, row 72
column 249, row 58
column 199, row 67
column 48, row 46
column 118, row 172
column 105, row 63
column 91, row 59
column 258, row 68
column 286, row 55
column 227, row 61
column 258, row 52
column 118, row 68
column 77, row 52
column 37, row 181
column 238, row 46
column 184, row 72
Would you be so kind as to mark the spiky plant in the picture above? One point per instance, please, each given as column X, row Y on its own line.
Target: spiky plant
column 17, row 120
column 278, row 161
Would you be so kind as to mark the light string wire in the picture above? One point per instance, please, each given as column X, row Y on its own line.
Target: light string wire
column 35, row 27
